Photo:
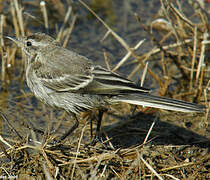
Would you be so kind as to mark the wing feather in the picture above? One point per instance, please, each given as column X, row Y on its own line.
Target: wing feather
column 67, row 82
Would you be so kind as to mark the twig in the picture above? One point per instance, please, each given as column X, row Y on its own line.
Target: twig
column 166, row 47
column 175, row 10
column 78, row 146
column 128, row 55
column 150, row 168
column 194, row 56
column 122, row 42
column 3, row 68
column 3, row 148
column 60, row 34
column 103, row 156
column 5, row 119
column 14, row 19
column 106, row 60
column 177, row 166
column 2, row 22
column 202, row 56
column 169, row 19
column 20, row 17
column 69, row 31
column 44, row 11
column 5, row 142
column 166, row 54
column 150, row 130
column 144, row 74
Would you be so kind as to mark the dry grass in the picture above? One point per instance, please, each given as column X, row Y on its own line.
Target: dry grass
column 140, row 143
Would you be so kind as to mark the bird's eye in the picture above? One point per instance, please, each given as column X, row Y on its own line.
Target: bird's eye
column 28, row 43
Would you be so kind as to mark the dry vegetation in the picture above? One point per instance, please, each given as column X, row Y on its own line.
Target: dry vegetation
column 139, row 143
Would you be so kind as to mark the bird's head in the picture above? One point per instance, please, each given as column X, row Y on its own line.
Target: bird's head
column 34, row 43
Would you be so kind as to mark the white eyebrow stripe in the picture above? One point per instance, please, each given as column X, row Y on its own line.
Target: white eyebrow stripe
column 37, row 44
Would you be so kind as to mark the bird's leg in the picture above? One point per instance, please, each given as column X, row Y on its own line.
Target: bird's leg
column 75, row 126
column 91, row 127
column 98, row 128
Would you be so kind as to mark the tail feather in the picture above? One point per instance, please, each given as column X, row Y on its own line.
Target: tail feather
column 149, row 100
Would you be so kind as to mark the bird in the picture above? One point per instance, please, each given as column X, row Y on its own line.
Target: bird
column 64, row 79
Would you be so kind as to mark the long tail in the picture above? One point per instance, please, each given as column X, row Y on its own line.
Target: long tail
column 145, row 99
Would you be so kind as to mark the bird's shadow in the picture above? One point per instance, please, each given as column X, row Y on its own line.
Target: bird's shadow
column 134, row 131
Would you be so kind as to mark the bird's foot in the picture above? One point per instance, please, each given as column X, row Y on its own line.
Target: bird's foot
column 98, row 139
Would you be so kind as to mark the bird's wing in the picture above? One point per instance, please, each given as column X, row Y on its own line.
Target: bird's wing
column 97, row 81
column 65, row 72
column 67, row 82
column 107, row 82
column 77, row 73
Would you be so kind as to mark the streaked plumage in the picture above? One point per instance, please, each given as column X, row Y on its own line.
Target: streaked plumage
column 64, row 79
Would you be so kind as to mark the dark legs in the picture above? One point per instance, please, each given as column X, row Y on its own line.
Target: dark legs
column 98, row 128
column 97, row 135
column 75, row 126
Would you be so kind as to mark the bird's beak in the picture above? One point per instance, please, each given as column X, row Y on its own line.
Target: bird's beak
column 17, row 41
